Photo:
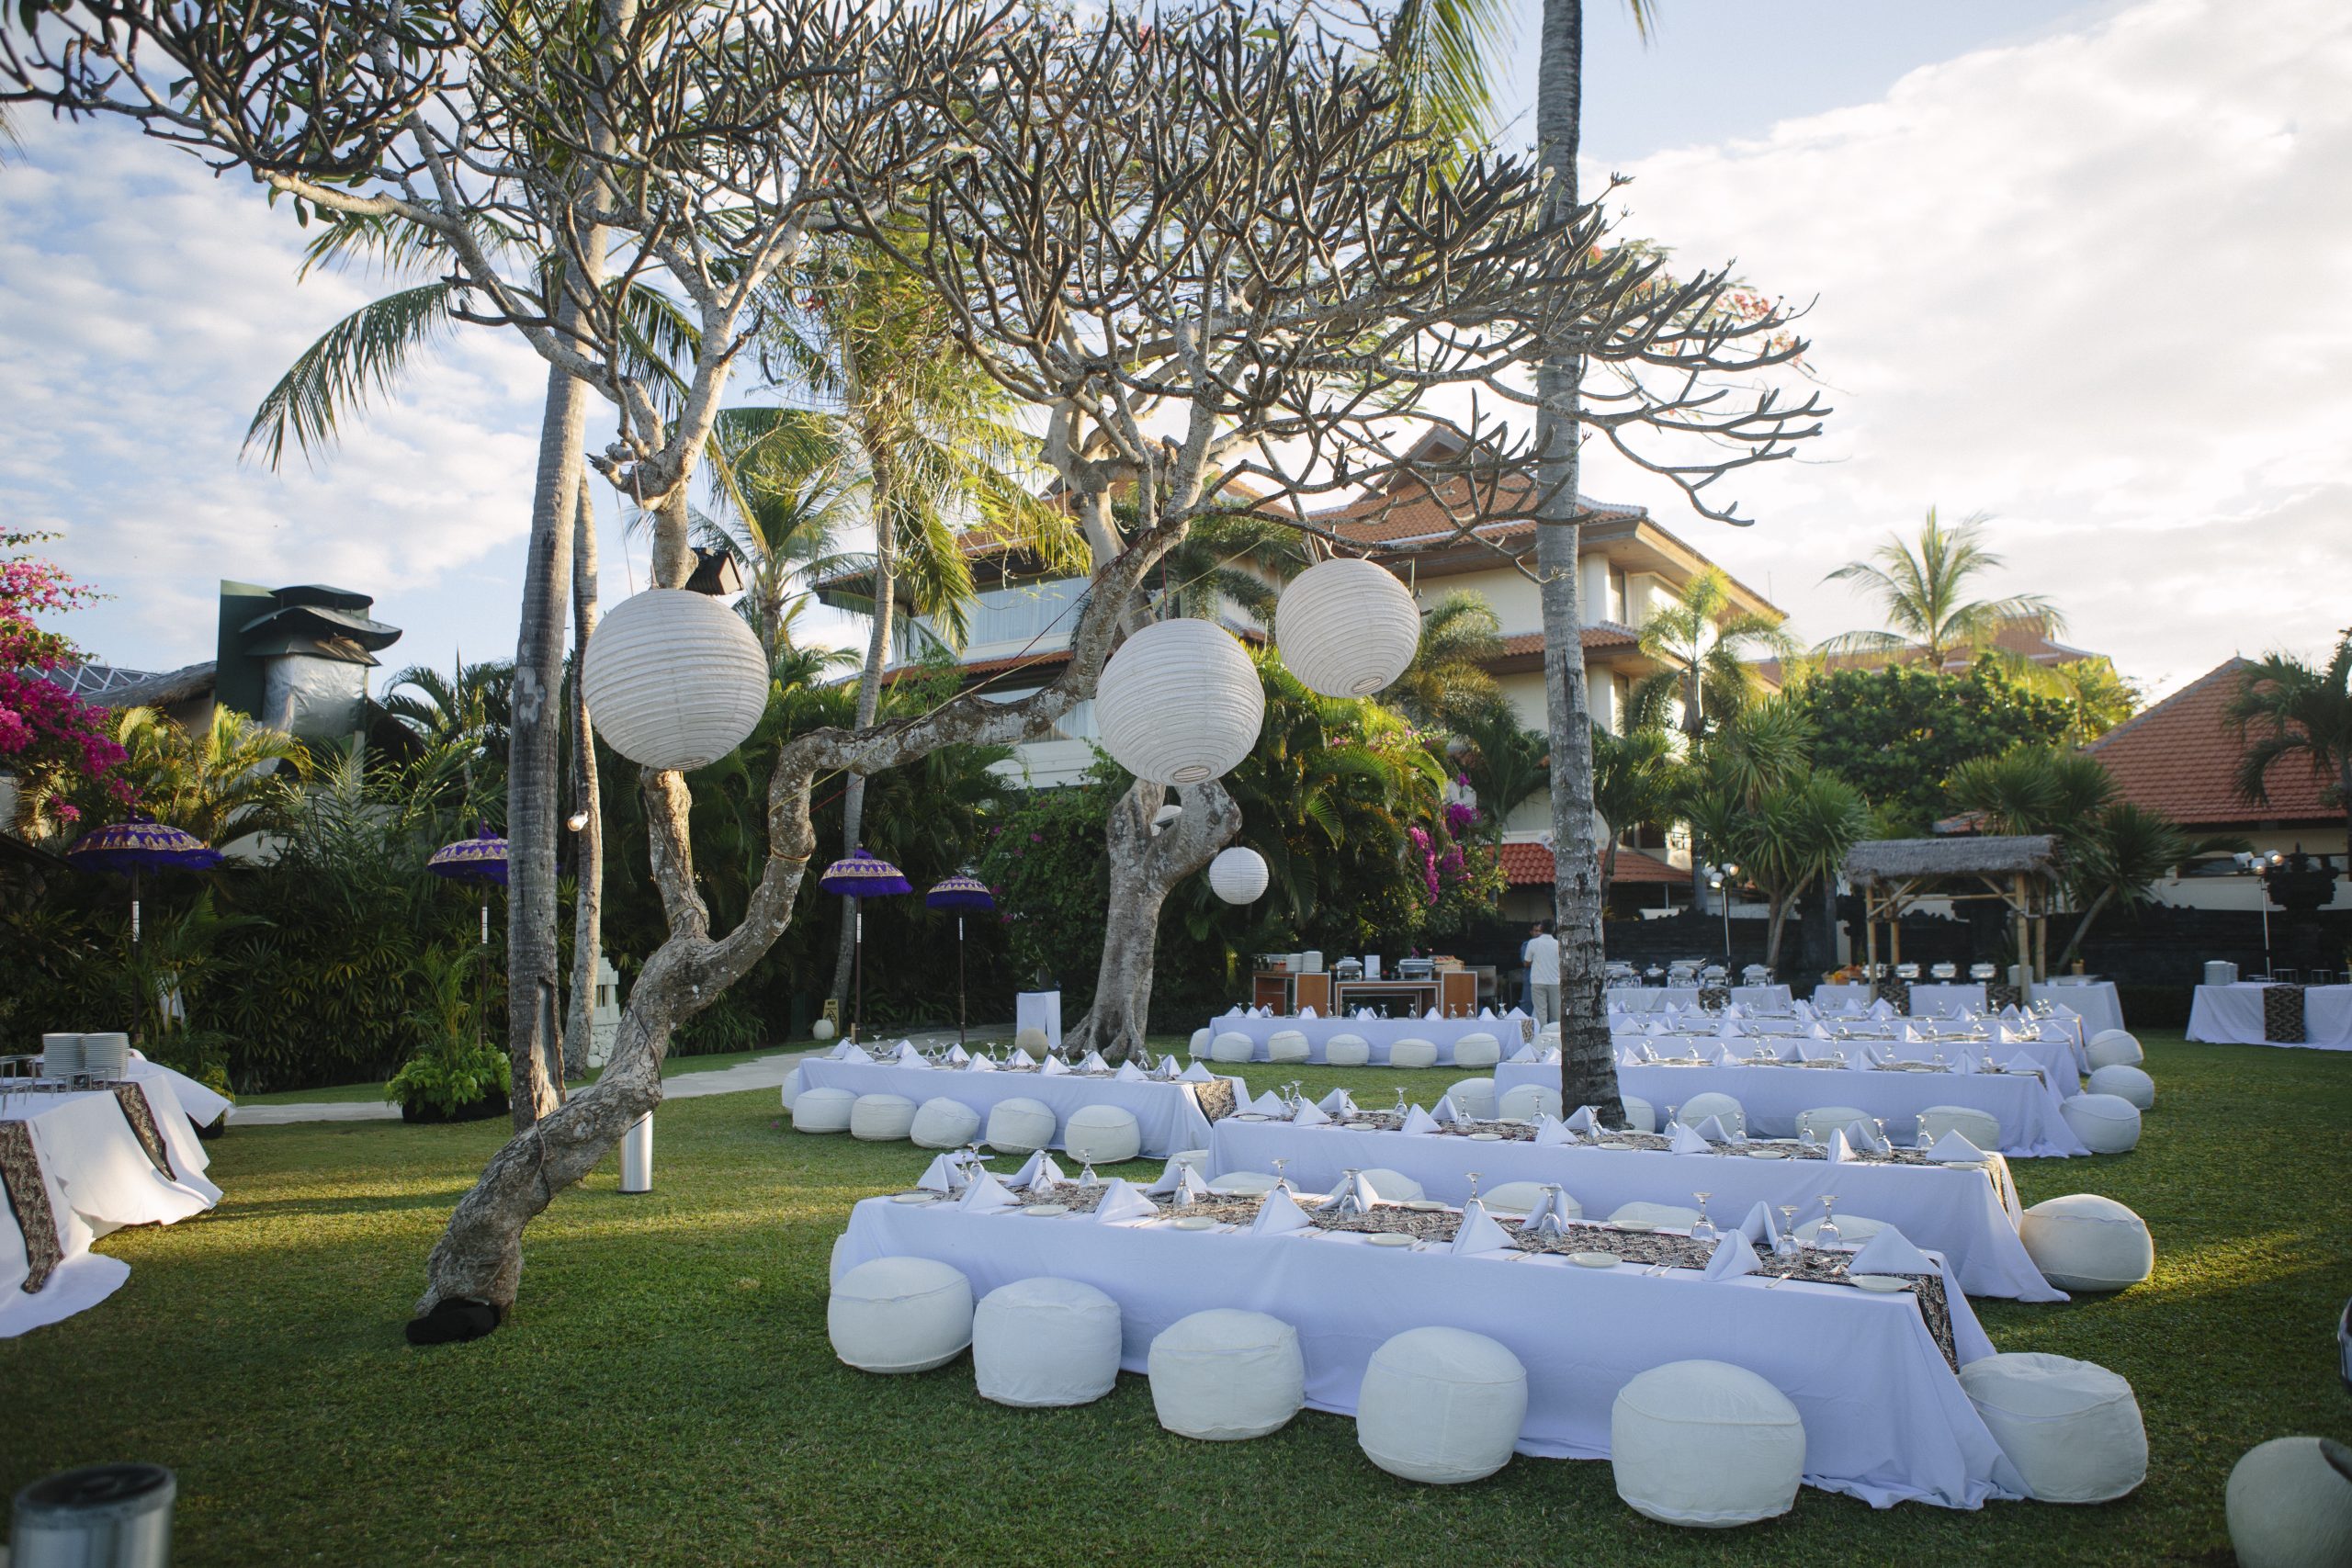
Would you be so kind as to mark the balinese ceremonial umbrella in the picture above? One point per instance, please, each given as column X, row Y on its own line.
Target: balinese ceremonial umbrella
column 961, row 893
column 480, row 860
column 139, row 845
column 858, row 877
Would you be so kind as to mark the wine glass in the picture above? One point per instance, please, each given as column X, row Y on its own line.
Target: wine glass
column 1673, row 1114
column 1787, row 1246
column 1702, row 1229
column 1402, row 1105
column 1880, row 1123
column 1282, row 1181
column 1471, row 1177
column 1552, row 1223
column 1087, row 1181
column 1829, row 1235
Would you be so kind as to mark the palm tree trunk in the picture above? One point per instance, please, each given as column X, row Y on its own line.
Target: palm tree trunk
column 1143, row 870
column 869, row 694
column 588, row 865
column 1772, row 931
column 2083, row 928
column 1587, row 1069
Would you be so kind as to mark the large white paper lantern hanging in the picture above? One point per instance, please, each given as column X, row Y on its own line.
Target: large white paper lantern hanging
column 673, row 679
column 1347, row 627
column 1180, row 703
column 1238, row 876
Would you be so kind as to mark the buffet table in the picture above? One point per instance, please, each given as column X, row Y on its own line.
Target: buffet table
column 77, row 1166
column 1970, row 1216
column 1168, row 1115
column 1885, row 1417
column 1379, row 1033
column 2232, row 1015
column 2027, row 1107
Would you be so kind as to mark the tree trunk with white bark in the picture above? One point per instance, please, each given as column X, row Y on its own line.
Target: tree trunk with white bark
column 1144, row 868
column 869, row 702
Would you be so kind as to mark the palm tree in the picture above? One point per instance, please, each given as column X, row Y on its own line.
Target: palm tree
column 2032, row 790
column 2125, row 847
column 219, row 784
column 786, row 499
column 2286, row 708
column 1704, row 642
column 1921, row 588
column 1234, row 559
column 1635, row 780
column 1447, row 686
column 1504, row 760
column 472, row 703
column 1797, row 833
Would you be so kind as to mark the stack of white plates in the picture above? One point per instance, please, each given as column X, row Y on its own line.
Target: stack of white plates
column 61, row 1055
column 107, row 1057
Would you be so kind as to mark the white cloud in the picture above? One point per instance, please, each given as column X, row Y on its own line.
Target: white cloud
column 2092, row 284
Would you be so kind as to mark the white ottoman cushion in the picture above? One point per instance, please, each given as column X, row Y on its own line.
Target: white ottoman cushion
column 1640, row 1114
column 1477, row 1051
column 1723, row 1107
column 2072, row 1429
column 1412, row 1052
column 2113, row 1048
column 1519, row 1196
column 1197, row 1158
column 1232, row 1046
column 1032, row 1040
column 836, row 1269
column 1101, row 1135
column 2109, row 1123
column 1979, row 1127
column 1046, row 1341
column 1394, row 1185
column 793, row 1082
column 881, row 1118
column 1285, row 1045
column 1242, row 1184
column 1020, row 1125
column 1475, row 1097
column 899, row 1314
column 1223, row 1375
column 1824, row 1120
column 1200, row 1042
column 822, row 1111
column 1347, row 1051
column 2289, row 1508
column 1705, row 1443
column 1665, row 1216
column 944, row 1123
column 1527, row 1102
column 2124, row 1083
column 1440, row 1405
column 2085, row 1242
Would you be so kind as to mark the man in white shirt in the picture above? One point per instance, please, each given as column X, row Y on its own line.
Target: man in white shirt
column 1542, row 955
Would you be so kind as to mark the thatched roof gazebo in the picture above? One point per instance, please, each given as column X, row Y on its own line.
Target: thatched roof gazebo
column 1893, row 875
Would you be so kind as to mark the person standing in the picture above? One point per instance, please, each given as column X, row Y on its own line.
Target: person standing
column 1542, row 955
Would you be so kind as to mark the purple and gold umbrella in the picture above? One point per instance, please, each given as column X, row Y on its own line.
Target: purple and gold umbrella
column 962, row 894
column 480, row 860
column 860, row 876
column 130, row 848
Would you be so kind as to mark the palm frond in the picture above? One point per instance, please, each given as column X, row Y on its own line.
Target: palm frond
column 362, row 356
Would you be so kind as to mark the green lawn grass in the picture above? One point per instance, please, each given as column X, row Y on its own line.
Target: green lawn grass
column 665, row 1393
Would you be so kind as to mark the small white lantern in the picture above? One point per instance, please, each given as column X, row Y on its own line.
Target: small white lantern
column 1238, row 876
column 1180, row 703
column 1347, row 627
column 673, row 679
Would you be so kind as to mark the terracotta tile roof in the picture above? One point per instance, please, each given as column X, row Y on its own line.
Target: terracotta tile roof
column 1417, row 512
column 1530, row 865
column 1600, row 634
column 2180, row 757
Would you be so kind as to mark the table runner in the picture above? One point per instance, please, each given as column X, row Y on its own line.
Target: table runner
column 2282, row 1015
column 28, row 1196
column 141, row 1117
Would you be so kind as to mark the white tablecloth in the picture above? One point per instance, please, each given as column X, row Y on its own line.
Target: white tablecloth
column 1379, row 1033
column 2232, row 1015
column 2031, row 1124
column 2055, row 1049
column 1885, row 1418
column 2094, row 1000
column 1969, row 1219
column 1166, row 1113
column 1650, row 998
column 1039, row 1009
column 100, row 1179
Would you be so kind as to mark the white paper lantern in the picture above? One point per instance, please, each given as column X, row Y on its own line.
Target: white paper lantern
column 673, row 679
column 1180, row 703
column 1347, row 627
column 1238, row 876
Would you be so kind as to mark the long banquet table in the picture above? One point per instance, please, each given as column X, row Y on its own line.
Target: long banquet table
column 95, row 1176
column 1970, row 1216
column 1651, row 998
column 2056, row 1052
column 2232, row 1015
column 1885, row 1417
column 1379, row 1033
column 2028, row 1107
column 1167, row 1114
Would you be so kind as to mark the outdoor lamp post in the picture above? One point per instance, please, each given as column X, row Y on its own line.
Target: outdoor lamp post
column 2260, row 866
column 1719, row 878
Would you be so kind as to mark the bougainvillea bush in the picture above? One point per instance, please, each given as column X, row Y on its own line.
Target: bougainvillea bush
column 53, row 743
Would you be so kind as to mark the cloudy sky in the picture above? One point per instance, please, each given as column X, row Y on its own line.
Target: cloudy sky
column 2079, row 268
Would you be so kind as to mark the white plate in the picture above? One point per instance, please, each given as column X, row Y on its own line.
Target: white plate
column 1388, row 1238
column 1615, row 1144
column 1193, row 1222
column 1422, row 1205
column 1486, row 1137
column 1768, row 1154
column 1595, row 1260
column 1633, row 1227
column 1041, row 1210
column 1251, row 1116
column 1880, row 1283
column 916, row 1198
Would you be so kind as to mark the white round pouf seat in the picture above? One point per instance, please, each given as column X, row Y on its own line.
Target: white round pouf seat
column 2113, row 1048
column 1242, row 1184
column 1032, row 1040
column 1824, row 1120
column 1705, row 1443
column 1440, row 1405
column 899, row 1314
column 1640, row 1114
column 1287, row 1045
column 1020, row 1125
column 1199, row 1044
column 1347, row 1051
column 1232, row 1046
column 944, row 1123
column 2289, row 1508
column 1101, row 1135
column 1044, row 1342
column 1521, row 1197
column 1477, row 1051
column 795, row 1083
column 1979, row 1127
column 2070, row 1428
column 1663, row 1216
column 1475, row 1097
column 1723, row 1107
column 2085, row 1242
column 1527, row 1102
column 2109, row 1123
column 1223, row 1375
column 822, row 1111
column 1412, row 1052
column 881, row 1118
column 1394, row 1185
column 2124, row 1083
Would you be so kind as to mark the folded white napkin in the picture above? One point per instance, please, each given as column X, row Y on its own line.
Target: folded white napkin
column 1308, row 1012
column 2023, row 1062
column 1479, row 1233
column 1337, row 1104
column 1863, row 1135
column 1724, row 1059
column 906, row 1052
column 1731, row 1009
column 1176, row 1175
column 1129, row 1072
column 1890, row 1252
column 940, row 1175
column 1365, row 1196
column 1524, row 1053
column 1279, row 1216
column 1445, row 1111
column 1486, row 1015
column 1877, row 1055
column 1730, row 1030
column 855, row 1053
column 1819, row 1031
column 1759, row 1227
column 1121, row 1202
column 1270, row 1104
column 1965, row 1062
column 1840, row 1148
column 1053, row 1068
column 958, row 1054
column 1714, row 1132
column 1586, row 1121
column 913, row 1060
column 979, row 1065
column 1038, row 1161
column 1309, row 1115
column 1168, row 1066
column 1545, row 1205
column 1951, row 1149
column 1733, row 1256
column 987, row 1195
column 1418, row 1121
column 1551, row 1132
column 1683, row 1141
column 1516, row 1011
column 1020, row 1058
column 1433, row 1016
column 1196, row 1073
column 1094, row 1063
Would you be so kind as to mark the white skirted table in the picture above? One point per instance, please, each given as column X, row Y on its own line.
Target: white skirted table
column 1040, row 1011
column 1885, row 1417
column 2232, row 1015
column 2094, row 1000
column 1510, row 1031
column 2028, row 1107
column 77, row 1166
column 2055, row 1049
column 1970, row 1216
column 1168, row 1115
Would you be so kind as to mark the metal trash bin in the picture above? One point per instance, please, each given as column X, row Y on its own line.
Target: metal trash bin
column 102, row 1516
